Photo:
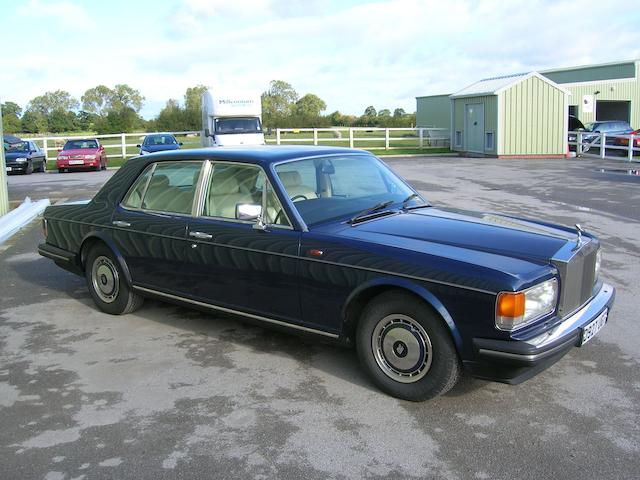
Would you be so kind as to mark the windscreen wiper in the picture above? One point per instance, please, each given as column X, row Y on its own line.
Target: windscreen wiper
column 369, row 211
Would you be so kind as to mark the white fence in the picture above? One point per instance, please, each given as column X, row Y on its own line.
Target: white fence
column 120, row 142
column 123, row 145
column 371, row 138
column 606, row 146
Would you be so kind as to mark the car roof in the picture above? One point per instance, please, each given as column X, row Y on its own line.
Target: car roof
column 259, row 154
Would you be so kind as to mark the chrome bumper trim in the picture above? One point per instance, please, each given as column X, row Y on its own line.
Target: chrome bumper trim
column 551, row 342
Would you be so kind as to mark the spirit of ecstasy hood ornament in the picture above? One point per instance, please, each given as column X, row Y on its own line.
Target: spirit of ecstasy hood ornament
column 580, row 241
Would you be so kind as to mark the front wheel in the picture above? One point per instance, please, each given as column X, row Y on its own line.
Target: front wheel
column 406, row 348
column 107, row 284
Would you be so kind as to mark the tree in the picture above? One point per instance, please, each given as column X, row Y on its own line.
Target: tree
column 370, row 111
column 193, row 107
column 310, row 106
column 34, row 122
column 61, row 121
column 399, row 113
column 172, row 117
column 278, row 102
column 97, row 99
column 124, row 97
column 11, row 117
column 50, row 101
column 385, row 112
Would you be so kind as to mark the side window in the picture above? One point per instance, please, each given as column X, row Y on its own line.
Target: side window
column 233, row 185
column 170, row 188
column 299, row 179
column 230, row 186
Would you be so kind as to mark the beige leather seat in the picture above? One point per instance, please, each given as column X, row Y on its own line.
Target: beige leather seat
column 162, row 197
column 292, row 182
column 225, row 194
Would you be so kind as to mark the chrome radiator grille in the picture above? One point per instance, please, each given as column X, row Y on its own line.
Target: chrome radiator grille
column 577, row 276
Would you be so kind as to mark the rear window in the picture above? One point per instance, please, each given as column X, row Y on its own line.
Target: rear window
column 80, row 144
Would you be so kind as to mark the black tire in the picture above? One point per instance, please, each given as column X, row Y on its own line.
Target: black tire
column 397, row 330
column 29, row 169
column 42, row 166
column 61, row 170
column 107, row 283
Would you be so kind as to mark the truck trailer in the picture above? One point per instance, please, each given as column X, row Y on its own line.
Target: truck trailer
column 231, row 119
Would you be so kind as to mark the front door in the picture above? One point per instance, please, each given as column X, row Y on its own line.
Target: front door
column 474, row 127
column 232, row 263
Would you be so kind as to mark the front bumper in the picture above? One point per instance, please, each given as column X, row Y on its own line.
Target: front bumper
column 514, row 361
column 85, row 164
column 17, row 167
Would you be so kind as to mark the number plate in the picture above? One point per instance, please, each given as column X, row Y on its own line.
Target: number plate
column 76, row 162
column 8, row 169
column 590, row 331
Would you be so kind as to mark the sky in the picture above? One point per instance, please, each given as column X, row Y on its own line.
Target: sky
column 351, row 53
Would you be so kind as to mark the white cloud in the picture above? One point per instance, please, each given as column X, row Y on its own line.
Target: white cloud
column 58, row 13
column 383, row 53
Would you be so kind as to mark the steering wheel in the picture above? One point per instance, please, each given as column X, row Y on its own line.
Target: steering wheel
column 293, row 199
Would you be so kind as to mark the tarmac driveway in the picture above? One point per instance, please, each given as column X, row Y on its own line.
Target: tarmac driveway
column 173, row 393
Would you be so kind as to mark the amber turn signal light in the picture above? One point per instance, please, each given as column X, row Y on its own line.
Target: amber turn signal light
column 510, row 305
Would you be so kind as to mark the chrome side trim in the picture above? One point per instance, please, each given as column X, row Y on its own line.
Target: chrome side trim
column 235, row 312
column 307, row 259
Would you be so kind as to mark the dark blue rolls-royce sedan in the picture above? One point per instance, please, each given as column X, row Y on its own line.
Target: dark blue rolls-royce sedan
column 331, row 242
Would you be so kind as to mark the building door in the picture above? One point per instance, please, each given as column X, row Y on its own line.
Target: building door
column 613, row 110
column 474, row 127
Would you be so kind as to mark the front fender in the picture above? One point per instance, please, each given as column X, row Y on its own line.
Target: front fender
column 420, row 291
column 106, row 239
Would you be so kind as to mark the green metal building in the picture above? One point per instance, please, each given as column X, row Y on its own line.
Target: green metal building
column 514, row 115
column 608, row 91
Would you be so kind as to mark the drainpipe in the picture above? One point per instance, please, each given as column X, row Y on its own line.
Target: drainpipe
column 4, row 196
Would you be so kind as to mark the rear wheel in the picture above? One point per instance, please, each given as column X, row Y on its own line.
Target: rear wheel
column 107, row 283
column 406, row 348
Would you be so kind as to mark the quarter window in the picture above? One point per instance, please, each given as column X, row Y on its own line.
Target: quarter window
column 168, row 187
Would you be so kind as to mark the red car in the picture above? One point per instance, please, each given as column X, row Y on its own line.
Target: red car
column 624, row 142
column 81, row 154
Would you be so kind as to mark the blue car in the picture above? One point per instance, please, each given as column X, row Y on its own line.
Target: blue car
column 158, row 142
column 24, row 157
column 331, row 243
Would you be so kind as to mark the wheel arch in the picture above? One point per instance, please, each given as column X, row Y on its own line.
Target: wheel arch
column 362, row 295
column 95, row 237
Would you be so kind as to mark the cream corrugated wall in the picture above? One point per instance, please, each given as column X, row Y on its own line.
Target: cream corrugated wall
column 531, row 119
column 625, row 90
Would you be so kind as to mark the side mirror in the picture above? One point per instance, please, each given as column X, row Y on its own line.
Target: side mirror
column 180, row 143
column 248, row 211
column 138, row 146
column 59, row 150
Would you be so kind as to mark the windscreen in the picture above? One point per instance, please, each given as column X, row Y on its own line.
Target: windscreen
column 80, row 144
column 226, row 126
column 160, row 140
column 18, row 147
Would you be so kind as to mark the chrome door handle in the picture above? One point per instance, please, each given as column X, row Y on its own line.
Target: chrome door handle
column 120, row 223
column 201, row 235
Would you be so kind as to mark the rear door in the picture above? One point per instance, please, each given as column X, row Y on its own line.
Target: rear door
column 150, row 225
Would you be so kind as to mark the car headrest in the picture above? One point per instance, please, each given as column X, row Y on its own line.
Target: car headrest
column 290, row 179
column 224, row 183
column 159, row 181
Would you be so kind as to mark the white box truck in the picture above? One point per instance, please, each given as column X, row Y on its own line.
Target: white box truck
column 231, row 119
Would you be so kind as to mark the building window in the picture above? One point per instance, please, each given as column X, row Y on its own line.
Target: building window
column 458, row 138
column 489, row 141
